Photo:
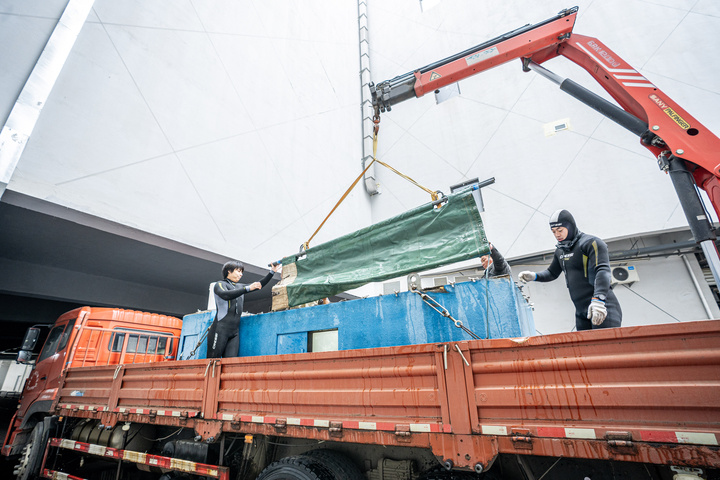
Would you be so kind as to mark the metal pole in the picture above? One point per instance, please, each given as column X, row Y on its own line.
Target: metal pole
column 697, row 286
column 711, row 255
column 694, row 212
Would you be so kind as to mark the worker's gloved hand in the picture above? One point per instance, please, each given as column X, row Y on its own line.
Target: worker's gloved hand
column 597, row 311
column 527, row 276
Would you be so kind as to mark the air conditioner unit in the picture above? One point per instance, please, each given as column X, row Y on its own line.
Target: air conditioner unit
column 624, row 274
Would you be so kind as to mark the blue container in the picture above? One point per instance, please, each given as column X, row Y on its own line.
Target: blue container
column 491, row 308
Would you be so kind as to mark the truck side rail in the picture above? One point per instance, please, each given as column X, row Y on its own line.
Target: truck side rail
column 644, row 394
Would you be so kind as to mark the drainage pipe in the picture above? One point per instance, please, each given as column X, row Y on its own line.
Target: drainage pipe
column 697, row 287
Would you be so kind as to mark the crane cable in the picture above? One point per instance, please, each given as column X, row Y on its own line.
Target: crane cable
column 376, row 120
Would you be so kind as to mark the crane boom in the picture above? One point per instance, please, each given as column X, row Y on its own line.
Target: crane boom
column 684, row 148
column 521, row 42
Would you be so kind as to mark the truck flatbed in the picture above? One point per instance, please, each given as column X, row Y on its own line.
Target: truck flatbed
column 639, row 394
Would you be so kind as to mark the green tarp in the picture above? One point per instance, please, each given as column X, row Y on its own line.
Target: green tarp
column 420, row 239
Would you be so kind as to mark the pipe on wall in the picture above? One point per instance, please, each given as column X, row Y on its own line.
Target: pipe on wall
column 697, row 287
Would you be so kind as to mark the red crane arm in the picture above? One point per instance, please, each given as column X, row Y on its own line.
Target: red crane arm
column 684, row 136
column 539, row 40
column 666, row 129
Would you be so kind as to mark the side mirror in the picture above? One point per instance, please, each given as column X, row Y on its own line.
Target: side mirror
column 24, row 356
column 29, row 342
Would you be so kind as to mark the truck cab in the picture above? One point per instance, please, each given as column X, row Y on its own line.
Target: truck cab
column 87, row 337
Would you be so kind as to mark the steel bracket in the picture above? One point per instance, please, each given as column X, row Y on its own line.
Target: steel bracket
column 335, row 429
column 402, row 433
column 621, row 443
column 521, row 438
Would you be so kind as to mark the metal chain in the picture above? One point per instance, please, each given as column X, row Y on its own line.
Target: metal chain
column 444, row 312
column 202, row 339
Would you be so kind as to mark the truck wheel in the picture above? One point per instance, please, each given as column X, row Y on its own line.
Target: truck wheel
column 31, row 456
column 298, row 467
column 342, row 467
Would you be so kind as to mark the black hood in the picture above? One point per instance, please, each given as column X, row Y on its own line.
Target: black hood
column 563, row 218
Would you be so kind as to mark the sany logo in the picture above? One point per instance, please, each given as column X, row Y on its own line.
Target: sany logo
column 670, row 112
column 658, row 102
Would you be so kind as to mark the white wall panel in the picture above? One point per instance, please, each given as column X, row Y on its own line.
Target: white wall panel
column 96, row 120
column 176, row 15
column 33, row 22
column 626, row 199
column 707, row 7
column 158, row 189
column 48, row 9
column 231, row 17
column 676, row 57
column 184, row 83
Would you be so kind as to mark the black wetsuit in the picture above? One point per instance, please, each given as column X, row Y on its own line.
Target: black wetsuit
column 499, row 266
column 223, row 335
column 584, row 260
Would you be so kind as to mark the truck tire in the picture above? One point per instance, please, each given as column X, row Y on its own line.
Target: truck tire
column 31, row 456
column 342, row 467
column 298, row 467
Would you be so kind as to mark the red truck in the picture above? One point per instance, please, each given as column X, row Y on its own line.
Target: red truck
column 84, row 337
column 640, row 402
column 632, row 402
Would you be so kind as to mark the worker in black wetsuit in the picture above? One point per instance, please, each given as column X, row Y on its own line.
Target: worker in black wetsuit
column 223, row 335
column 494, row 264
column 585, row 261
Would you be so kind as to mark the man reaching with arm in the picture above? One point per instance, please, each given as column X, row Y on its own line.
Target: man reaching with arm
column 585, row 261
column 223, row 335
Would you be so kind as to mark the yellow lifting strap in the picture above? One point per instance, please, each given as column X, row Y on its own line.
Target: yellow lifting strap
column 433, row 195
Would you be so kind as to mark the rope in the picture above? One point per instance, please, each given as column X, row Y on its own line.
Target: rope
column 376, row 121
column 307, row 244
column 433, row 195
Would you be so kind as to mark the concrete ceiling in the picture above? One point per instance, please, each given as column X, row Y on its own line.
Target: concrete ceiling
column 55, row 253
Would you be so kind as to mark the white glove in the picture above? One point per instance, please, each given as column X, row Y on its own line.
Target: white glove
column 527, row 276
column 596, row 311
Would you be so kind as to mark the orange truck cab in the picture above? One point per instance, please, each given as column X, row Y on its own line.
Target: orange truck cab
column 87, row 337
